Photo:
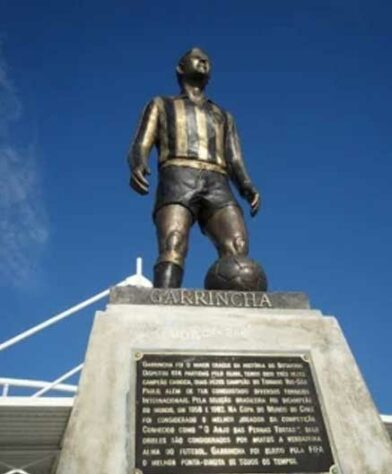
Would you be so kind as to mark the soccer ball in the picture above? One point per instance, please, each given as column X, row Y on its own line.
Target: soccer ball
column 237, row 273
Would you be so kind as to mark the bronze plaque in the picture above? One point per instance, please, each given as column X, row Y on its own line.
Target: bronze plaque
column 228, row 414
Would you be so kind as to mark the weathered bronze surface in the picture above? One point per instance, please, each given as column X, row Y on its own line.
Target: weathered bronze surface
column 199, row 152
column 208, row 413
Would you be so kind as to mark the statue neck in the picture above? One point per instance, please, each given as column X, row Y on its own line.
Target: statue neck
column 194, row 92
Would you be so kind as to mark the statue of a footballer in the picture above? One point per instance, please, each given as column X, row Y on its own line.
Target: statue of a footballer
column 199, row 153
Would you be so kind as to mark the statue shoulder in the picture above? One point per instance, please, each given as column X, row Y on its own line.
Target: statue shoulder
column 216, row 106
column 155, row 100
column 164, row 98
column 218, row 111
column 156, row 104
column 160, row 101
column 223, row 110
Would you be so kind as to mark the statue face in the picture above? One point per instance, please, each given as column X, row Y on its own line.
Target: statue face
column 196, row 64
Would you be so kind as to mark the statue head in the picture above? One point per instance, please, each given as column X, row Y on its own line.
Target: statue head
column 194, row 67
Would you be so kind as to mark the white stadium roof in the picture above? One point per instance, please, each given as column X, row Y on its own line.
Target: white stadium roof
column 31, row 432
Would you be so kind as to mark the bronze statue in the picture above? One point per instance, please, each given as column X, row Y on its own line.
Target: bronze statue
column 199, row 152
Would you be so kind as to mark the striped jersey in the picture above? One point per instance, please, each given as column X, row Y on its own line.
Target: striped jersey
column 187, row 133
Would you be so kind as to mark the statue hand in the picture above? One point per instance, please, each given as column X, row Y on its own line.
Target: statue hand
column 138, row 181
column 255, row 204
column 251, row 194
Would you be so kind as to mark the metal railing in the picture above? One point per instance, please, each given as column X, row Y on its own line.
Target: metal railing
column 45, row 387
column 136, row 280
column 53, row 320
column 8, row 383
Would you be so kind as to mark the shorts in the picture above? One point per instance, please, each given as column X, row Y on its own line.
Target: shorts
column 203, row 192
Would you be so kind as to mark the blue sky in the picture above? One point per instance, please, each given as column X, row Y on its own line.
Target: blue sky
column 310, row 86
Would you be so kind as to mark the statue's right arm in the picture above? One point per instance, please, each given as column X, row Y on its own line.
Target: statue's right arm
column 238, row 172
column 139, row 150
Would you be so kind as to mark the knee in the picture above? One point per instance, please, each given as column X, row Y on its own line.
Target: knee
column 176, row 241
column 174, row 246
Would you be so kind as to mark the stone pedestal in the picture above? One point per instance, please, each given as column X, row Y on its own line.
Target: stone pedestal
column 167, row 328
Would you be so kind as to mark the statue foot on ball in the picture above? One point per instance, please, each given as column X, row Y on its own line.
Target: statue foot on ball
column 235, row 272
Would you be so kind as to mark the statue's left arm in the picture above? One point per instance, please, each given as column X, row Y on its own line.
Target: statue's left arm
column 140, row 148
column 237, row 169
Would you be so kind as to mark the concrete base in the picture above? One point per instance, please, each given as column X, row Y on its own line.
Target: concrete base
column 100, row 436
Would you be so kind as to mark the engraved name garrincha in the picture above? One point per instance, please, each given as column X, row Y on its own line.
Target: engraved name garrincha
column 238, row 299
column 199, row 152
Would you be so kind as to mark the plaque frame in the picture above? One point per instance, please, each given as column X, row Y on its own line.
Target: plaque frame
column 305, row 355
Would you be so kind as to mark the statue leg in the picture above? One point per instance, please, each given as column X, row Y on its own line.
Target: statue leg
column 173, row 223
column 226, row 228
